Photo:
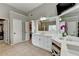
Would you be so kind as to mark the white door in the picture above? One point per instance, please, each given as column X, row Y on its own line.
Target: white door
column 17, row 31
column 6, row 31
column 27, row 32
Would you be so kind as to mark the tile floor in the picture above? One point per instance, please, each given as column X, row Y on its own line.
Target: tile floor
column 22, row 49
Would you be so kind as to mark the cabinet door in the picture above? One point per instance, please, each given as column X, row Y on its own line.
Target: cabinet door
column 45, row 43
column 49, row 44
column 41, row 42
column 35, row 40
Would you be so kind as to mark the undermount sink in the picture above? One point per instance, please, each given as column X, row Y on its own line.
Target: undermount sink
column 61, row 38
column 69, row 39
column 72, row 38
column 66, row 38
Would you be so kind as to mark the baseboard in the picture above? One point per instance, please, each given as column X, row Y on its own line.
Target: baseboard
column 19, row 42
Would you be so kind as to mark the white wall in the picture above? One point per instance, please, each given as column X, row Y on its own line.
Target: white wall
column 48, row 9
column 4, row 11
column 5, row 14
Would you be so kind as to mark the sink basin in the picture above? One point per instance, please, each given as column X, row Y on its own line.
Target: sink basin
column 69, row 39
column 61, row 38
column 72, row 38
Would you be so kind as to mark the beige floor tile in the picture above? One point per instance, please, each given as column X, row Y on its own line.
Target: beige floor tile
column 22, row 49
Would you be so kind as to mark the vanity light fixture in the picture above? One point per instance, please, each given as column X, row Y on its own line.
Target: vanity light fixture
column 60, row 19
column 43, row 18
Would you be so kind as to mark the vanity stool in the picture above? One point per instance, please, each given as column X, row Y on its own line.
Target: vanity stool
column 56, row 50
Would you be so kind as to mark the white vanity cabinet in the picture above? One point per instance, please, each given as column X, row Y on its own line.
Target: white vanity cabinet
column 45, row 42
column 42, row 41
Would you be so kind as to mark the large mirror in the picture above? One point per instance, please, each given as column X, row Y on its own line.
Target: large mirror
column 47, row 25
column 70, row 26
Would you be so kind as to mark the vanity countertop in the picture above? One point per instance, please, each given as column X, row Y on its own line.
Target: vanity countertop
column 58, row 39
column 73, row 41
column 65, row 51
column 44, row 34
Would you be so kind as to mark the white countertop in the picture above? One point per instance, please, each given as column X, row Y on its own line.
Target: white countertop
column 65, row 51
column 60, row 39
column 45, row 34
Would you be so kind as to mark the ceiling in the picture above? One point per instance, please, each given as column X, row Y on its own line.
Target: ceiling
column 72, row 11
column 26, row 7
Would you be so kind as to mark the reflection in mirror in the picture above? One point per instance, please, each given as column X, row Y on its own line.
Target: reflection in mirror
column 47, row 25
column 71, row 26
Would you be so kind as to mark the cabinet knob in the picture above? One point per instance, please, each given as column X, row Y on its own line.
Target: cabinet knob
column 14, row 33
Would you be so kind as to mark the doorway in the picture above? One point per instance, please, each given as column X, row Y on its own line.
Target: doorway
column 30, row 29
column 1, row 29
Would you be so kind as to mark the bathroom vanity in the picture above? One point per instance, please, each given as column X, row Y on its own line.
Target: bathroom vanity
column 68, row 46
column 53, row 39
column 42, row 41
column 56, row 44
column 43, row 36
